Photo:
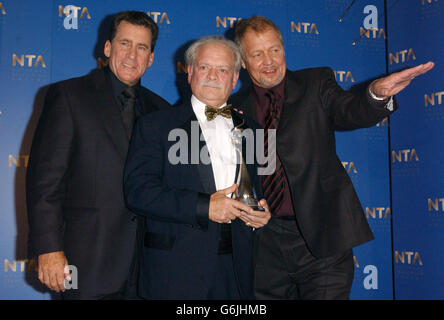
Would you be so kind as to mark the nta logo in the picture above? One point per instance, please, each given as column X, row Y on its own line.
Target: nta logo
column 304, row 27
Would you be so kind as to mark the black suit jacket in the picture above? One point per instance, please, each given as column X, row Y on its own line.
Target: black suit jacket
column 181, row 243
column 328, row 211
column 75, row 182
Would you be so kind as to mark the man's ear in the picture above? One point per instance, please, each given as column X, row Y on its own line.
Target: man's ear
column 189, row 72
column 150, row 59
column 236, row 77
column 107, row 49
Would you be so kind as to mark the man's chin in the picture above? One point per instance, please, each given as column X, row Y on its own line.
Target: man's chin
column 128, row 79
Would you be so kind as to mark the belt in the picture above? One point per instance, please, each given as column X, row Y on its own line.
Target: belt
column 225, row 245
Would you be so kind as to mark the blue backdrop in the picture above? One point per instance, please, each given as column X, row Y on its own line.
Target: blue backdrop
column 40, row 44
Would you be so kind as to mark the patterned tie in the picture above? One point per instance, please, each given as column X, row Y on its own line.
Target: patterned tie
column 128, row 99
column 212, row 113
column 274, row 183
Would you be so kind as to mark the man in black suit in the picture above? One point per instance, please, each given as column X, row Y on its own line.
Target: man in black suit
column 77, row 214
column 305, row 251
column 198, row 240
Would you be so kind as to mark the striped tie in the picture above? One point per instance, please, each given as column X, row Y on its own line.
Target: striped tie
column 274, row 183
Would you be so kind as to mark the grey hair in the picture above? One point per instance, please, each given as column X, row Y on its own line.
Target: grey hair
column 191, row 52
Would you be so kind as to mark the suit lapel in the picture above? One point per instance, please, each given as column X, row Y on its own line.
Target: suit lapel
column 194, row 132
column 294, row 90
column 109, row 112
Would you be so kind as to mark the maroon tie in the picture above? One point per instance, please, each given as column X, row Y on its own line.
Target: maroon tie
column 273, row 184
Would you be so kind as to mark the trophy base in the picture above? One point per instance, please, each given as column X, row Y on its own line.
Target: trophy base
column 256, row 208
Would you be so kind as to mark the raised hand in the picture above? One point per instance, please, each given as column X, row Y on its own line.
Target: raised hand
column 395, row 82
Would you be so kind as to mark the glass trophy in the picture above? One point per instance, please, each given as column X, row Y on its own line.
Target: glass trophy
column 245, row 190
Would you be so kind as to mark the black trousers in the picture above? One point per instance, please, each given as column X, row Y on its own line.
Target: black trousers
column 285, row 268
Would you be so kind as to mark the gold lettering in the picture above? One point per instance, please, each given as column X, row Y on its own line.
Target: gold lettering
column 13, row 161
column 30, row 57
column 356, row 262
column 102, row 63
column 369, row 212
column 180, row 67
column 155, row 15
column 403, row 52
column 20, row 61
column 296, row 27
column 85, row 10
column 313, row 26
column 365, row 32
column 439, row 94
column 22, row 160
column 2, row 8
column 417, row 257
column 411, row 54
column 382, row 123
column 435, row 204
column 409, row 256
column 61, row 10
column 231, row 19
column 430, row 99
column 396, row 156
column 32, row 264
column 413, row 153
column 405, row 152
column 349, row 76
column 40, row 58
column 394, row 58
column 13, row 267
column 164, row 16
column 381, row 31
column 379, row 209
column 221, row 22
column 341, row 73
column 431, row 204
column 352, row 165
column 399, row 257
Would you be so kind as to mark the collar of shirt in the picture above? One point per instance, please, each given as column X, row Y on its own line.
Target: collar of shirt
column 263, row 102
column 279, row 90
column 118, row 86
column 199, row 109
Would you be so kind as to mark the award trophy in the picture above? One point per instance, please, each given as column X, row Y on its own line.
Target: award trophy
column 245, row 190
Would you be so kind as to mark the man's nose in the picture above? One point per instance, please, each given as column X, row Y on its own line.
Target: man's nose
column 268, row 59
column 132, row 52
column 212, row 73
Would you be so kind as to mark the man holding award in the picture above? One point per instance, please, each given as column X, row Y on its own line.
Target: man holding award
column 180, row 174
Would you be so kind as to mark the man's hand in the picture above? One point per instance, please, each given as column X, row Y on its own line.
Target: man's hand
column 53, row 268
column 394, row 83
column 257, row 219
column 223, row 209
